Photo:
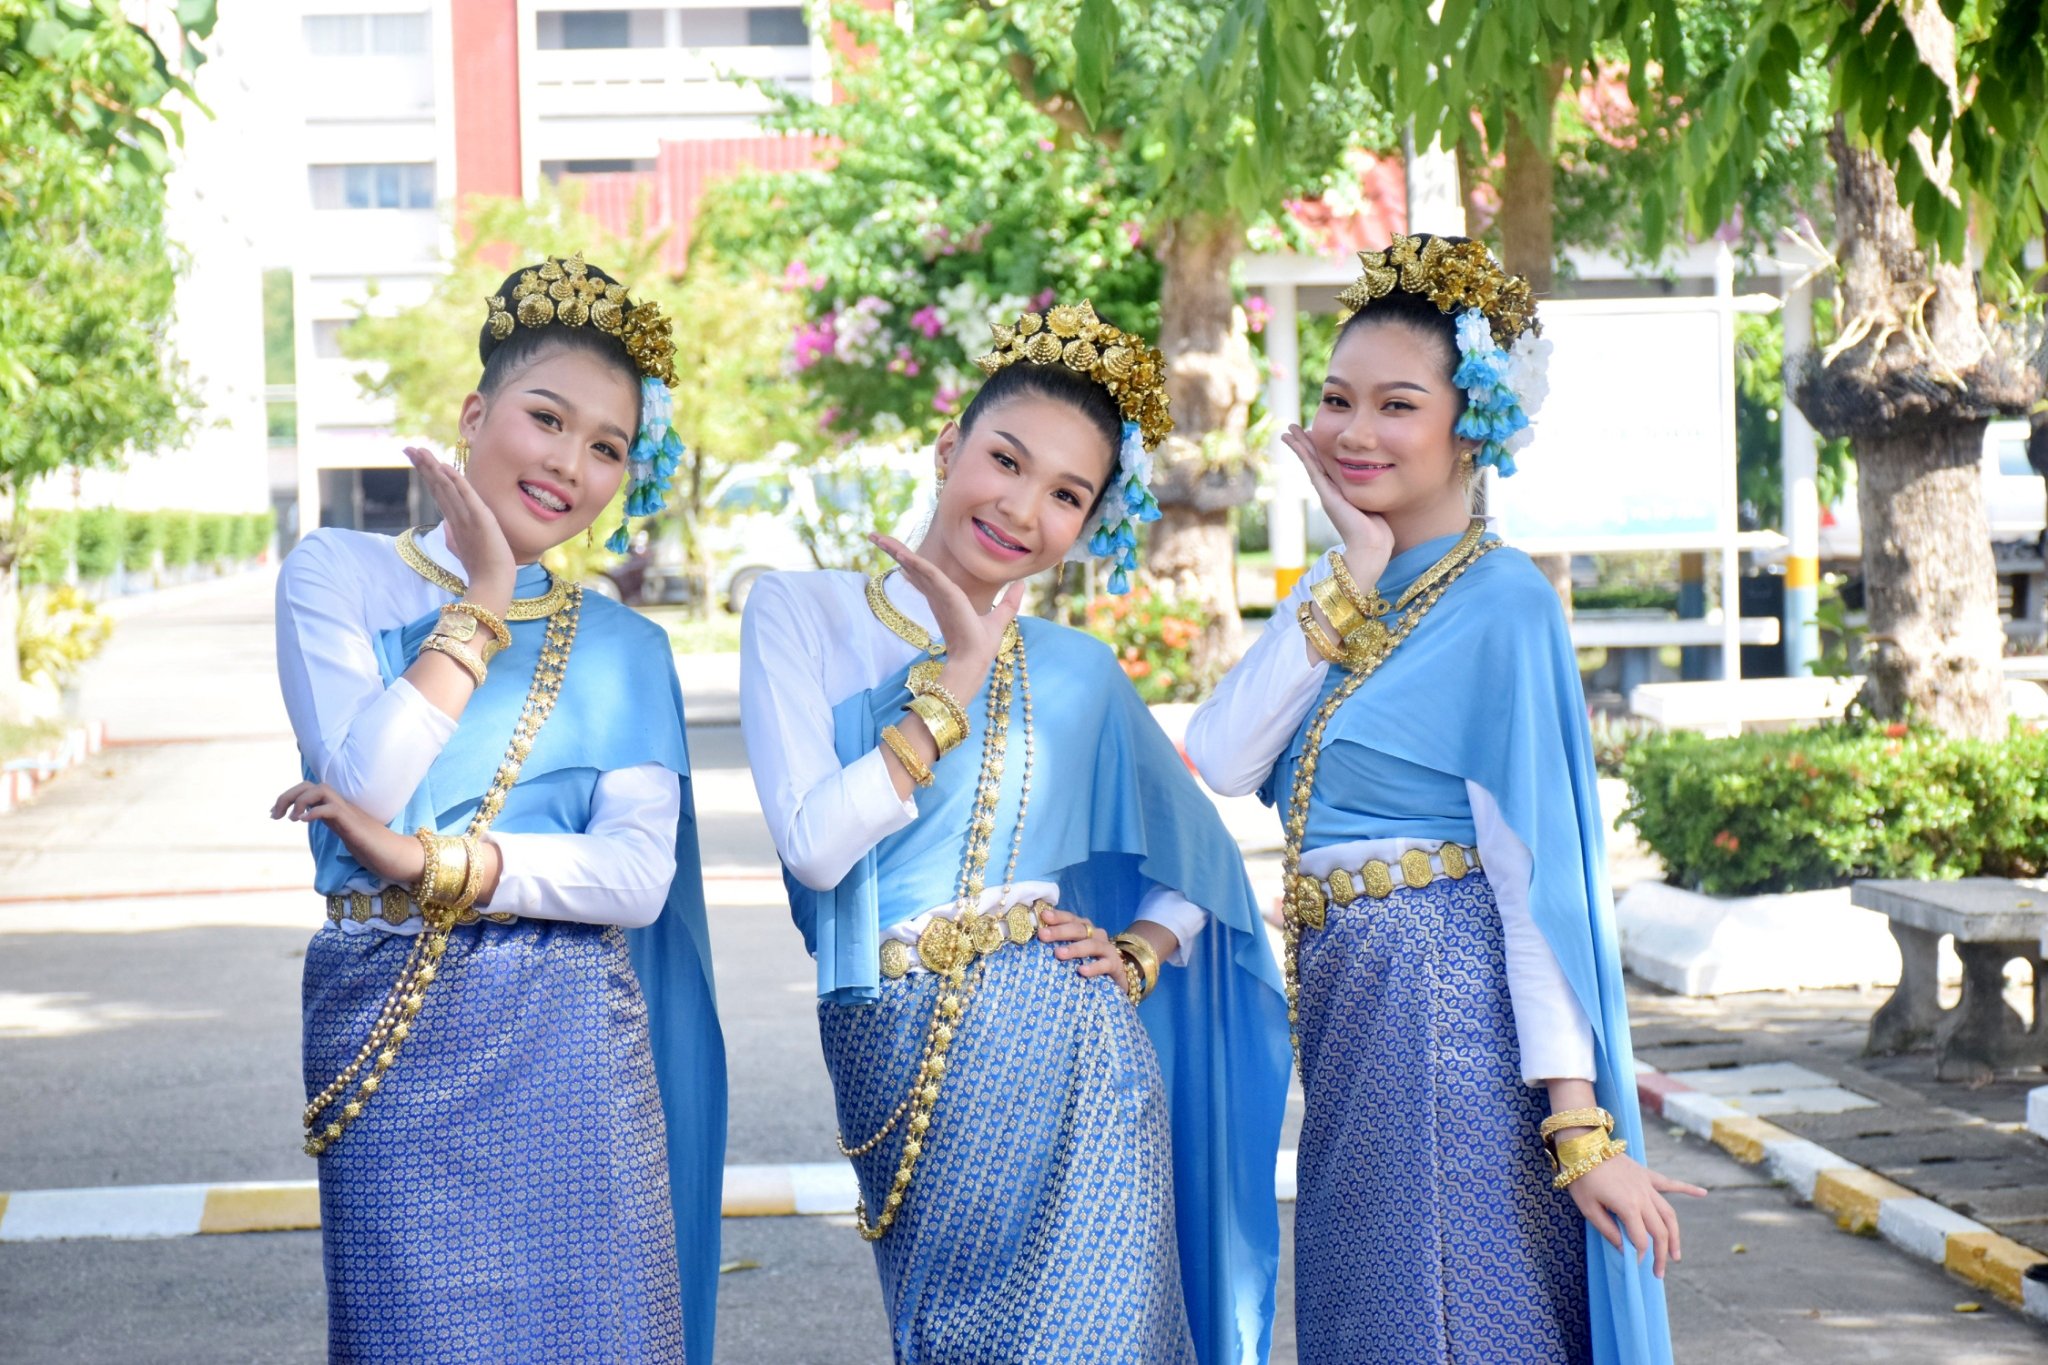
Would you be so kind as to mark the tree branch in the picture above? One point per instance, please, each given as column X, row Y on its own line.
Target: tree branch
column 1058, row 105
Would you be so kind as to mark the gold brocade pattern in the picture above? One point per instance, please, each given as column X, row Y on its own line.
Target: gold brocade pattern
column 522, row 609
column 408, row 994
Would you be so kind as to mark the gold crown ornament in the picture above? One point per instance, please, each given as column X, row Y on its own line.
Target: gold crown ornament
column 562, row 290
column 1070, row 334
column 1454, row 276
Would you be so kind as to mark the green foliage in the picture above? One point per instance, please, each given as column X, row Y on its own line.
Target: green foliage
column 141, row 535
column 86, row 272
column 1154, row 638
column 44, row 543
column 280, row 342
column 1625, row 596
column 1818, row 808
column 215, row 530
column 97, row 549
column 856, row 494
column 60, row 630
column 178, row 538
column 962, row 188
column 1759, row 446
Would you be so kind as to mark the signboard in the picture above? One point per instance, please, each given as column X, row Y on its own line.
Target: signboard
column 1635, row 445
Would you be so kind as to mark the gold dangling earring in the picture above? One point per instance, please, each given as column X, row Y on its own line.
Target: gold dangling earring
column 590, row 537
column 461, row 455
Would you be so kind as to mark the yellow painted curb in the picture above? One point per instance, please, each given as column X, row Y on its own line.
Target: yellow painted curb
column 1992, row 1262
column 759, row 1193
column 1745, row 1137
column 1852, row 1196
column 3, row 1206
column 272, row 1209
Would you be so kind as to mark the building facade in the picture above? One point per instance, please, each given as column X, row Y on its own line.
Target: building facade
column 393, row 111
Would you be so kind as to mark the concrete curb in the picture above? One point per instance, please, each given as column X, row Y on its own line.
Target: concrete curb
column 20, row 777
column 1860, row 1200
column 136, row 1212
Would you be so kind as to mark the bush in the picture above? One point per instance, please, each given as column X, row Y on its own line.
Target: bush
column 142, row 533
column 1821, row 807
column 46, row 545
column 216, row 538
column 253, row 533
column 1624, row 596
column 100, row 539
column 179, row 538
column 60, row 629
column 1152, row 637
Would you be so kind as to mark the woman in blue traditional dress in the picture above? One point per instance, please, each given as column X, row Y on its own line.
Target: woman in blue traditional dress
column 1464, row 1185
column 515, row 1073
column 991, row 850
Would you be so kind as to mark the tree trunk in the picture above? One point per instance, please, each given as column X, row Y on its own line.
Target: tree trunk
column 1528, row 247
column 1913, row 394
column 1210, row 380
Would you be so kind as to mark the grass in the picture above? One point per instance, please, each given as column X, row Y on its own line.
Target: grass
column 19, row 739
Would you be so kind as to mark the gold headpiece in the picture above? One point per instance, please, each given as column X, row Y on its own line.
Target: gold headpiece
column 1453, row 276
column 565, row 291
column 1070, row 334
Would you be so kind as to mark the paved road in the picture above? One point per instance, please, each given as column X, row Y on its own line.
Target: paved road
column 150, row 1038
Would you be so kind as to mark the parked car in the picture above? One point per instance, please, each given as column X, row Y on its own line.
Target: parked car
column 2015, row 499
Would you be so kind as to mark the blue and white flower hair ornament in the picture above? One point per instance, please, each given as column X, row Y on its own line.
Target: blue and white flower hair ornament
column 1135, row 376
column 1502, row 357
column 567, row 293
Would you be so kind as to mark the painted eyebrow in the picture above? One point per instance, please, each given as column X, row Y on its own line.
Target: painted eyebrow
column 1025, row 451
column 560, row 401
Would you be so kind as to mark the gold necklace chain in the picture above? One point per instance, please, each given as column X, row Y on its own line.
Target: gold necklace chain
column 1011, row 674
column 402, row 1002
column 1445, row 572
column 1453, row 558
column 522, row 608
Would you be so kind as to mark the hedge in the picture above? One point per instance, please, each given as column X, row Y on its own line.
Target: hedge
column 100, row 540
column 1817, row 808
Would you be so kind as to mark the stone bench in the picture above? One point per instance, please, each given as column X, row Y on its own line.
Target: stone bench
column 1993, row 920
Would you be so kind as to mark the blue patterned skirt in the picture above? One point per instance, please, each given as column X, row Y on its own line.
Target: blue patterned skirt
column 504, row 1196
column 1425, row 1227
column 1039, row 1226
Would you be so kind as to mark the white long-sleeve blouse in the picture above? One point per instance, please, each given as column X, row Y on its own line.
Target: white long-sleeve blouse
column 1244, row 728
column 373, row 744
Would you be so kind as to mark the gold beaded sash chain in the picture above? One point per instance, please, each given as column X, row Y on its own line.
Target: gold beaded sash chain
column 402, row 1003
column 1011, row 674
column 1446, row 572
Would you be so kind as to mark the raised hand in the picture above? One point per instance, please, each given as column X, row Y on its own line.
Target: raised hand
column 1080, row 940
column 474, row 536
column 972, row 637
column 1368, row 540
column 382, row 851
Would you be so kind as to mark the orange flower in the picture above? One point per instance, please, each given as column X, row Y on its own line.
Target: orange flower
column 1135, row 669
column 1727, row 842
column 1896, row 730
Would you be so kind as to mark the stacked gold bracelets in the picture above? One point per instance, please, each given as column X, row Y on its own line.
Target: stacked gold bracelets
column 456, row 635
column 452, row 876
column 1141, row 966
column 1574, row 1157
column 943, row 716
column 1354, row 613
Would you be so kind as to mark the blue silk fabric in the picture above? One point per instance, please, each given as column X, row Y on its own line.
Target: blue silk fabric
column 620, row 706
column 1039, row 1224
column 1487, row 690
column 1425, row 1227
column 1113, row 811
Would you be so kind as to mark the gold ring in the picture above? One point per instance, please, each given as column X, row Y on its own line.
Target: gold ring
column 1087, row 928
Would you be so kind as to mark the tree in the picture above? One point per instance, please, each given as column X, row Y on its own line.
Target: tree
column 734, row 401
column 87, row 274
column 1940, row 114
column 962, row 187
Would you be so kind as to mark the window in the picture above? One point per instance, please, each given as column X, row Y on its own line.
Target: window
column 600, row 28
column 327, row 337
column 358, row 35
column 777, row 28
column 394, row 185
column 753, row 496
column 739, row 27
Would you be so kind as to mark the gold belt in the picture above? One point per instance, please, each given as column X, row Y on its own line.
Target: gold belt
column 1308, row 900
column 394, row 905
column 948, row 944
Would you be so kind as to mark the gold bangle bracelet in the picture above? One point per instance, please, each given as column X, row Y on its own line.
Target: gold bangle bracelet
column 1318, row 638
column 472, row 873
column 907, row 756
column 1142, row 955
column 1606, row 1150
column 1344, row 615
column 486, row 618
column 1576, row 1118
column 1367, row 600
column 451, row 870
column 946, row 730
column 442, row 644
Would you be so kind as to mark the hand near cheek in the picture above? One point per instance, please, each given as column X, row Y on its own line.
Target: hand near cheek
column 1368, row 540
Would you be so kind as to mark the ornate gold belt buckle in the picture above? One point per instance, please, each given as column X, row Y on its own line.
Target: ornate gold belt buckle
column 1305, row 902
column 1021, row 922
column 984, row 933
column 895, row 958
column 940, row 947
column 1415, row 869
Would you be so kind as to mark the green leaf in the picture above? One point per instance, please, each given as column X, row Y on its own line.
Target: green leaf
column 44, row 37
column 1095, row 50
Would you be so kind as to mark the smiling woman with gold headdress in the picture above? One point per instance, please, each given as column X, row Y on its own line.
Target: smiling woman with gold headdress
column 1465, row 1190
column 995, row 855
column 515, row 1078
